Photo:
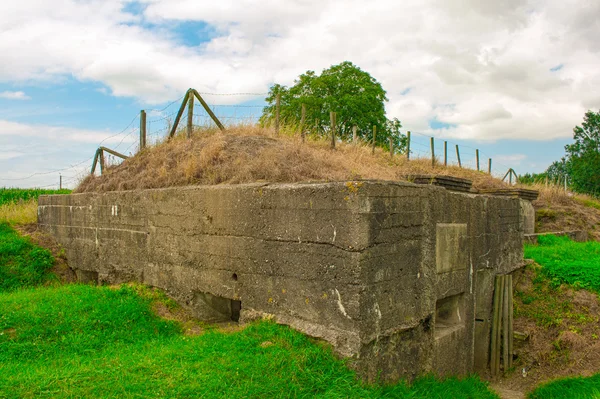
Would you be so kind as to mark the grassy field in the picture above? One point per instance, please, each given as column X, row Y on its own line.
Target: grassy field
column 65, row 341
column 566, row 261
column 22, row 264
column 12, row 195
column 19, row 206
column 564, row 265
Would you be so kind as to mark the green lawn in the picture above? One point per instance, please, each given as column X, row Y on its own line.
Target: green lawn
column 566, row 261
column 577, row 264
column 78, row 341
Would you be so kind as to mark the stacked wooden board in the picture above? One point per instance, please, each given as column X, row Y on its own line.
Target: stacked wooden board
column 523, row 193
column 448, row 182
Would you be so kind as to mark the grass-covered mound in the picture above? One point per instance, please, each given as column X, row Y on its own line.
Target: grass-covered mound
column 247, row 154
column 22, row 263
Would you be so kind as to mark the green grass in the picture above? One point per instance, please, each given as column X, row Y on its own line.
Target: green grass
column 13, row 195
column 573, row 388
column 22, row 264
column 566, row 261
column 83, row 341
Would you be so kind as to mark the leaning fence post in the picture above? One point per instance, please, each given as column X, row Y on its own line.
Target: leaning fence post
column 432, row 152
column 142, row 129
column 277, row 105
column 190, row 121
column 332, row 121
column 458, row 156
column 408, row 145
column 477, row 158
column 302, row 119
column 374, row 137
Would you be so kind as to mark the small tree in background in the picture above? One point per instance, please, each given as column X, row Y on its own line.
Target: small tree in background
column 354, row 95
column 582, row 161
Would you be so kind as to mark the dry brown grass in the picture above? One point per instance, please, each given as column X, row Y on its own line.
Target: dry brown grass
column 251, row 154
column 22, row 212
column 246, row 154
column 558, row 210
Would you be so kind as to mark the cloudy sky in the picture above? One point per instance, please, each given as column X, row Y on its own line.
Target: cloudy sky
column 509, row 77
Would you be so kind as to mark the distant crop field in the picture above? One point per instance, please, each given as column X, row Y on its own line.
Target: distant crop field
column 13, row 195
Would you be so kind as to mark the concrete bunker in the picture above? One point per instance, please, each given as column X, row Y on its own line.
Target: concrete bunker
column 397, row 276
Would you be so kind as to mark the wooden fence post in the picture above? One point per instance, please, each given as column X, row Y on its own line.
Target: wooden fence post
column 408, row 145
column 60, row 181
column 374, row 137
column 142, row 130
column 458, row 156
column 354, row 131
column 277, row 105
column 477, row 158
column 180, row 113
column 102, row 164
column 332, row 121
column 432, row 152
column 391, row 147
column 302, row 120
column 445, row 153
column 490, row 166
column 190, row 121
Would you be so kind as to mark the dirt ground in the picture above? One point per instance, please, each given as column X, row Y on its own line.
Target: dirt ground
column 563, row 334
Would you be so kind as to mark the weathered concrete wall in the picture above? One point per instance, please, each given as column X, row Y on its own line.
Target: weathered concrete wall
column 397, row 276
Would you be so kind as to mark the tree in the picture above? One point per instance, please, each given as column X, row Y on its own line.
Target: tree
column 354, row 95
column 582, row 161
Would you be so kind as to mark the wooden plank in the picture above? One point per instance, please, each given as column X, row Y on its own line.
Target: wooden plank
column 179, row 113
column 208, row 110
column 190, row 117
column 113, row 152
column 494, row 353
column 510, row 332
column 505, row 332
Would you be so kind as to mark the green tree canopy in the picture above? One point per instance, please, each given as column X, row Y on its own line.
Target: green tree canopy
column 353, row 94
column 582, row 161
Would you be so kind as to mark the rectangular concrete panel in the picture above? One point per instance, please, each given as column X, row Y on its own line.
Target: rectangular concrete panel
column 368, row 266
column 451, row 250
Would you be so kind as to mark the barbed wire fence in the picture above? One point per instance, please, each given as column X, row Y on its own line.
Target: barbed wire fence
column 153, row 126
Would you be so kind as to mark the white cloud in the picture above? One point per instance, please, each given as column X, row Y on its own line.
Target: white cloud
column 14, row 95
column 482, row 67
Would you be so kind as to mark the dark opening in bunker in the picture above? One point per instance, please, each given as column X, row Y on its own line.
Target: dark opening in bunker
column 449, row 315
column 216, row 309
